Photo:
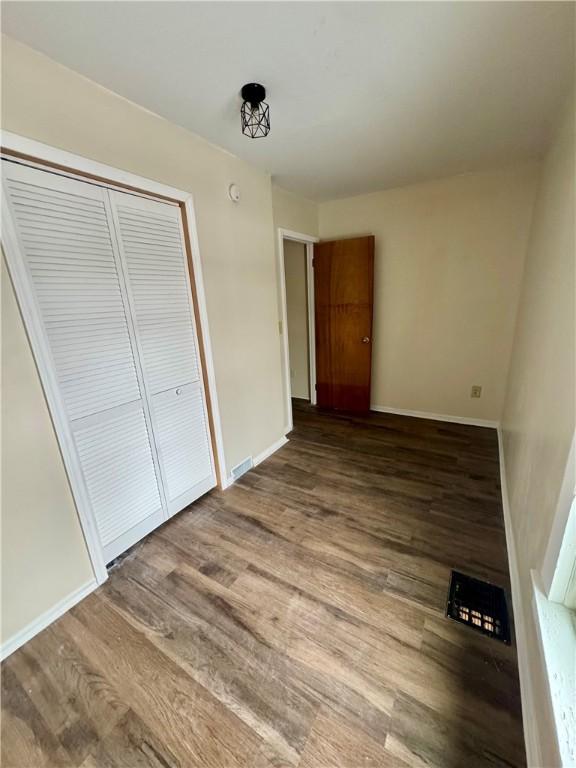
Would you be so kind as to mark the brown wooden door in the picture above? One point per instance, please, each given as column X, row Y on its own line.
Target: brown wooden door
column 343, row 288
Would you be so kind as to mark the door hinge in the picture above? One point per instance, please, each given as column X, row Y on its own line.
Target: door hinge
column 280, row 327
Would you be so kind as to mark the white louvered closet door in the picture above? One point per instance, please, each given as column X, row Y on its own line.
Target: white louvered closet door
column 152, row 246
column 72, row 273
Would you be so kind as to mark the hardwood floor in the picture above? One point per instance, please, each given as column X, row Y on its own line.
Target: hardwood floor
column 296, row 619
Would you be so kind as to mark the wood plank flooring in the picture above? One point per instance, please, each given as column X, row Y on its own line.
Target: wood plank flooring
column 296, row 619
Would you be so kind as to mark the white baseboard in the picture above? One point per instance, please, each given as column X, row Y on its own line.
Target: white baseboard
column 46, row 618
column 270, row 450
column 437, row 416
column 529, row 707
column 259, row 459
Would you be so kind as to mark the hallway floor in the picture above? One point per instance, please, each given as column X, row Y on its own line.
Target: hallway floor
column 296, row 619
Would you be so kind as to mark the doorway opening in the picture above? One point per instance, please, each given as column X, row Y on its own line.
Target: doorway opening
column 326, row 300
column 296, row 278
column 297, row 329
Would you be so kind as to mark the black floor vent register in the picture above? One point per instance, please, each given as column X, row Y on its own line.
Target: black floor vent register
column 479, row 605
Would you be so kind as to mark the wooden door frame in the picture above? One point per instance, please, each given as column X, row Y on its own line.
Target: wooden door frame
column 47, row 158
column 308, row 241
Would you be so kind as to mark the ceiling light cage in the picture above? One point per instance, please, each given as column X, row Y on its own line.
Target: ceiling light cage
column 254, row 112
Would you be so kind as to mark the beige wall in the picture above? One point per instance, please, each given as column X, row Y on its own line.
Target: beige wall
column 449, row 259
column 539, row 412
column 44, row 557
column 297, row 311
column 293, row 212
column 47, row 102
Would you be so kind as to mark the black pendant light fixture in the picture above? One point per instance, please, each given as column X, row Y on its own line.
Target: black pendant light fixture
column 254, row 112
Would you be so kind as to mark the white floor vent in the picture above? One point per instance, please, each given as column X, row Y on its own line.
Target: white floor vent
column 242, row 468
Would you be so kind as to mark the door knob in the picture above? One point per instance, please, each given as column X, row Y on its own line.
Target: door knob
column 365, row 339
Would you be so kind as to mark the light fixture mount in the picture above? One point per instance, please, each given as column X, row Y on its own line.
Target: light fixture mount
column 254, row 112
column 253, row 93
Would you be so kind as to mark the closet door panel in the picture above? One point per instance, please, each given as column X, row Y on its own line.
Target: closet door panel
column 120, row 477
column 73, row 273
column 70, row 260
column 154, row 258
column 183, row 443
column 156, row 264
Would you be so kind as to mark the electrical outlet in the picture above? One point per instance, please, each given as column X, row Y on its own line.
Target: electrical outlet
column 476, row 391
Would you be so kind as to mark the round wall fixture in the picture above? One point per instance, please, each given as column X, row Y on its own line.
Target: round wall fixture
column 234, row 192
column 254, row 112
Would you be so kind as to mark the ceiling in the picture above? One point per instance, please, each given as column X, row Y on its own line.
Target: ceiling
column 363, row 95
